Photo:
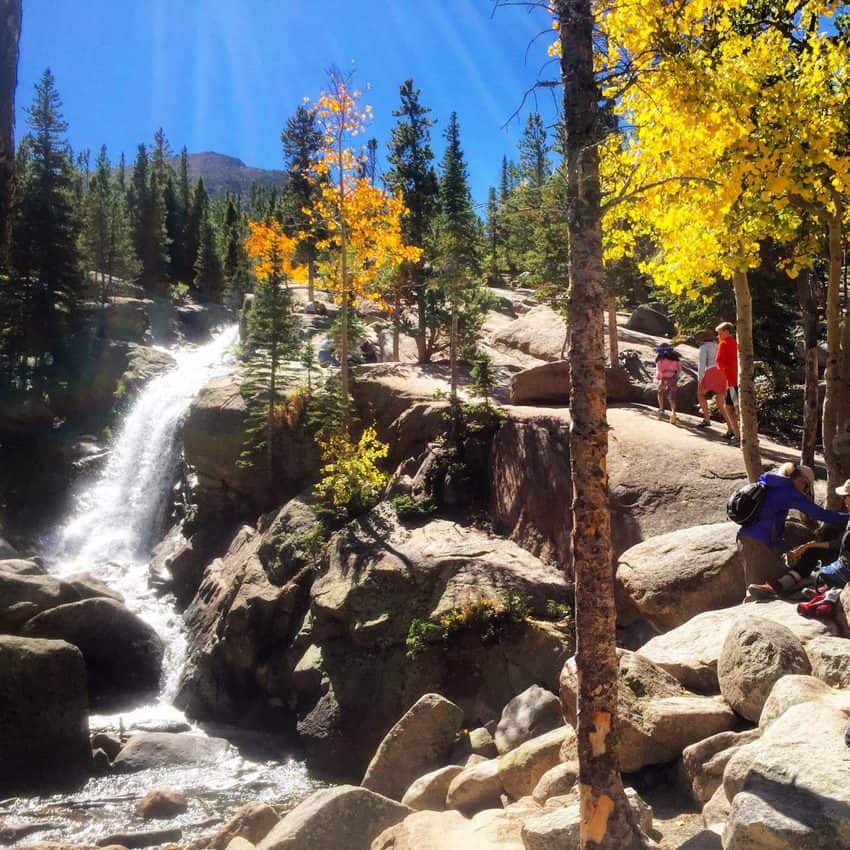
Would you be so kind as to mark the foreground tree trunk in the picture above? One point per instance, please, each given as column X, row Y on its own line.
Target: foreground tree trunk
column 746, row 375
column 807, row 297
column 613, row 342
column 10, row 35
column 607, row 822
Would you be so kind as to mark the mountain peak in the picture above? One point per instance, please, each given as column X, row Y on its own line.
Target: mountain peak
column 224, row 174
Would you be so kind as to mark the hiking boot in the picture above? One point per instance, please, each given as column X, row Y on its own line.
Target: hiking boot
column 762, row 591
column 728, row 435
column 673, row 419
column 704, row 424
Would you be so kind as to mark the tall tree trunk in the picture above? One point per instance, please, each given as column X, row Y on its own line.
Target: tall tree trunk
column 607, row 822
column 311, row 280
column 10, row 36
column 453, row 340
column 833, row 394
column 807, row 297
column 613, row 342
column 396, row 323
column 746, row 375
column 423, row 349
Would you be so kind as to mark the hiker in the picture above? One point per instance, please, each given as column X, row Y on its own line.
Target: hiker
column 667, row 367
column 761, row 544
column 727, row 363
column 803, row 560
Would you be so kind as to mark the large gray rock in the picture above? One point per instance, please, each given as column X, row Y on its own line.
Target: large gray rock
column 420, row 742
column 213, row 441
column 549, row 383
column 251, row 822
column 236, row 625
column 788, row 691
column 44, row 735
column 24, row 595
column 526, row 716
column 649, row 321
column 7, row 550
column 788, row 790
column 127, row 318
column 705, row 761
column 830, row 660
column 21, row 567
column 658, row 718
column 755, row 655
column 157, row 750
column 673, row 577
column 381, row 577
column 476, row 787
column 292, row 539
column 344, row 818
column 522, row 768
column 123, row 654
column 430, row 790
column 493, row 829
column 690, row 652
column 144, row 363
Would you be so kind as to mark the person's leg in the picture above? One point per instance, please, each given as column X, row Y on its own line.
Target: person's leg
column 730, row 414
column 761, row 564
column 671, row 397
column 661, row 400
column 703, row 406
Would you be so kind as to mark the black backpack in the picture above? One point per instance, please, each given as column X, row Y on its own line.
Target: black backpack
column 745, row 503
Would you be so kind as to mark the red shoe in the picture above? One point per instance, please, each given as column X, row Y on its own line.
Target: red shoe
column 762, row 591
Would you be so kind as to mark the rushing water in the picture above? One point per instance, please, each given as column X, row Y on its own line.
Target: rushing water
column 115, row 522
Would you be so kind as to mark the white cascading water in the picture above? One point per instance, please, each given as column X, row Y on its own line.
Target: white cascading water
column 120, row 516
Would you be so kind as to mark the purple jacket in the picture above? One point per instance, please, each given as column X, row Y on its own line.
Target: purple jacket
column 782, row 496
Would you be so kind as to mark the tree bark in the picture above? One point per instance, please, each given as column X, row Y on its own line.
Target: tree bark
column 807, row 297
column 311, row 280
column 10, row 36
column 613, row 342
column 833, row 376
column 607, row 822
column 746, row 375
column 396, row 324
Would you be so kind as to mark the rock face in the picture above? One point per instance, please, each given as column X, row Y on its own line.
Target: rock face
column 787, row 794
column 143, row 363
column 420, row 742
column 237, row 620
column 213, row 440
column 127, row 318
column 657, row 718
column 530, row 486
column 344, row 818
column 44, row 736
column 526, row 716
column 705, row 761
column 830, row 660
column 540, row 333
column 522, row 768
column 788, row 691
column 673, row 577
column 476, row 787
column 690, row 652
column 755, row 655
column 123, row 654
column 355, row 679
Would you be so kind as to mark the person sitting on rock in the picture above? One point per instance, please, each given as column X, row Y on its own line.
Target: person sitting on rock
column 762, row 543
column 803, row 560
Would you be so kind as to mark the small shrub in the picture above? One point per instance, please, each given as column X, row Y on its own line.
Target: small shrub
column 178, row 292
column 351, row 480
column 409, row 507
column 487, row 617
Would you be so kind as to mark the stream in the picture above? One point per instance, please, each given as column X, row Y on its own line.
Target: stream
column 116, row 520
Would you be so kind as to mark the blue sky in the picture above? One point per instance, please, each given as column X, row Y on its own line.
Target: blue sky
column 224, row 75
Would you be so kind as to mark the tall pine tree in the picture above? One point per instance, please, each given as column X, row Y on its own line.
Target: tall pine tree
column 412, row 176
column 457, row 236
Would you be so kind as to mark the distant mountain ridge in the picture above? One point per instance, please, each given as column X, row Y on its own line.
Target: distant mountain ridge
column 222, row 173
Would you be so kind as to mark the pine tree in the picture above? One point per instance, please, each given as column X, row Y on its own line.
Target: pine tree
column 198, row 213
column 106, row 238
column 457, row 235
column 302, row 143
column 209, row 276
column 492, row 229
column 274, row 334
column 45, row 245
column 412, row 176
column 179, row 199
column 235, row 268
column 534, row 150
column 148, row 216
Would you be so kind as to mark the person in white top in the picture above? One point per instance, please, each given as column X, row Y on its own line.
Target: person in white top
column 707, row 356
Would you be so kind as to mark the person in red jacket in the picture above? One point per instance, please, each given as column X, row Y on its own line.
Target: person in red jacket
column 727, row 363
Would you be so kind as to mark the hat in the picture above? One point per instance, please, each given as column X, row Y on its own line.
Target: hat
column 844, row 489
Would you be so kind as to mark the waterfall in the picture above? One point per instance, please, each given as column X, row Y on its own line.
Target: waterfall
column 119, row 517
